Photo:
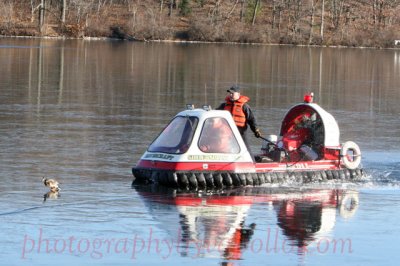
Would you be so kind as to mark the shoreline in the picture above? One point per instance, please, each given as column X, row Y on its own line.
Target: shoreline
column 195, row 42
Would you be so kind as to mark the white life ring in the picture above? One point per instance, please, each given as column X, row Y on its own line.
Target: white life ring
column 348, row 204
column 353, row 160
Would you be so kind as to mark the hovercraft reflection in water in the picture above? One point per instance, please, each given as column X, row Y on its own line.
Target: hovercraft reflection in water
column 215, row 225
column 202, row 148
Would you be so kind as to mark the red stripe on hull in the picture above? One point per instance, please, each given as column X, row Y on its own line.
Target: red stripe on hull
column 299, row 166
column 241, row 166
column 196, row 166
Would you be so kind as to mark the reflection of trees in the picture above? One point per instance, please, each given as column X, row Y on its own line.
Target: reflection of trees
column 161, row 76
column 42, row 60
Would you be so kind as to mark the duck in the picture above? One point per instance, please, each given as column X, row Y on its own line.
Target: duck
column 51, row 183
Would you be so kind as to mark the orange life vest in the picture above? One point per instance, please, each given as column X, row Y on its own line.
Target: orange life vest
column 236, row 109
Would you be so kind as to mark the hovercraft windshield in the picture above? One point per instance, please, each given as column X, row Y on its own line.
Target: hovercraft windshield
column 176, row 136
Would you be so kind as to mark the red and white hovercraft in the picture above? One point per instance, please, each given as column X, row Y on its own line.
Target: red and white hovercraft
column 202, row 148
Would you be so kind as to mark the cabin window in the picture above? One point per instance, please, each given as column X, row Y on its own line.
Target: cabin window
column 176, row 137
column 217, row 137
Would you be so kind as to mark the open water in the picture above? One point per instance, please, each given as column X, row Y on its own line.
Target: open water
column 83, row 112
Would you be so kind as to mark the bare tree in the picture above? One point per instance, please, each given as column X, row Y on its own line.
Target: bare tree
column 256, row 6
column 311, row 21
column 161, row 6
column 242, row 9
column 171, row 6
column 336, row 12
column 42, row 9
column 6, row 13
column 381, row 10
column 297, row 15
column 34, row 7
column 277, row 9
column 322, row 19
column 63, row 11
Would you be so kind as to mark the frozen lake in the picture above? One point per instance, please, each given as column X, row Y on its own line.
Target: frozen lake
column 84, row 112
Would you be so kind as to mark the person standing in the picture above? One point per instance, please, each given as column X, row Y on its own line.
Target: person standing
column 242, row 114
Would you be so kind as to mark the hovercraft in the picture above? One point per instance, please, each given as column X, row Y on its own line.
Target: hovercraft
column 202, row 148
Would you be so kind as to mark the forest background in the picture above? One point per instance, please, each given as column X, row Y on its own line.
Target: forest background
column 355, row 23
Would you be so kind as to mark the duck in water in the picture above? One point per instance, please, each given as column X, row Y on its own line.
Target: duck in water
column 51, row 183
column 54, row 188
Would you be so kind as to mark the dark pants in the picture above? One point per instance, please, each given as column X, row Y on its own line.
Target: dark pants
column 243, row 133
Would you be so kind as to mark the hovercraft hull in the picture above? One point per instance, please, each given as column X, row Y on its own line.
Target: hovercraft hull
column 222, row 175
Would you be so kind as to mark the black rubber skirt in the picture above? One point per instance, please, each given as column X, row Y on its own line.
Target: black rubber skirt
column 206, row 180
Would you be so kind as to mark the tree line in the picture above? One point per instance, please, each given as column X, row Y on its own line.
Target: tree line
column 373, row 23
